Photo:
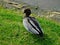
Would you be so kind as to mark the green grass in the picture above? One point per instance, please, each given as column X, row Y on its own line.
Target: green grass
column 12, row 31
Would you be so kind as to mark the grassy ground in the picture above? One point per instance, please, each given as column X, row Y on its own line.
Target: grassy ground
column 12, row 31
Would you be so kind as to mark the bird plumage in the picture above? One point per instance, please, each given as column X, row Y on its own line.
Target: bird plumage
column 31, row 24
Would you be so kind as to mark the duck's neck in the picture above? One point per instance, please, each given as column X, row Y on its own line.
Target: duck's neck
column 27, row 16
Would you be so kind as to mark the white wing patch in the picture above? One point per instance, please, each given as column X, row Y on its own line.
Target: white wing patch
column 34, row 25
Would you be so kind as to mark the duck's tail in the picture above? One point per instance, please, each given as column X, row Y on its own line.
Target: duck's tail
column 41, row 34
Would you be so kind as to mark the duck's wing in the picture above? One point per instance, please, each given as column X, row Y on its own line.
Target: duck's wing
column 27, row 24
column 33, row 22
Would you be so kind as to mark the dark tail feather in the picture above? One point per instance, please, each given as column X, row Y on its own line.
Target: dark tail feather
column 41, row 34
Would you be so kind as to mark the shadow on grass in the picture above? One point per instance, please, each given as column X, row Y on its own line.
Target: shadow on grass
column 43, row 41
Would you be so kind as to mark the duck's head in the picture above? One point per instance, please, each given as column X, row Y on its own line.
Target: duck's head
column 27, row 12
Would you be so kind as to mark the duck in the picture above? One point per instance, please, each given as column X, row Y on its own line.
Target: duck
column 31, row 24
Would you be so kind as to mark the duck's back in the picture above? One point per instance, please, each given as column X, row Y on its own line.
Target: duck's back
column 31, row 24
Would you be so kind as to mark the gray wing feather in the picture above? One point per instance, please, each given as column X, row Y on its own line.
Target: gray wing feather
column 36, row 24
